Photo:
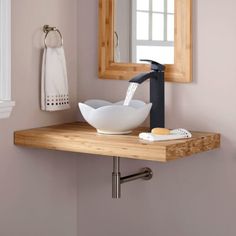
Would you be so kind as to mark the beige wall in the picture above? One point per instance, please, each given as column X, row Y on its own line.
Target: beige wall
column 190, row 197
column 37, row 188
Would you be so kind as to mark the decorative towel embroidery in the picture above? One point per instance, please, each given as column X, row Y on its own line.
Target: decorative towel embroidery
column 57, row 100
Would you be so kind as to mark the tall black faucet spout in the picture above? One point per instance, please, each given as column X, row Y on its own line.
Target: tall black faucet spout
column 140, row 78
column 157, row 93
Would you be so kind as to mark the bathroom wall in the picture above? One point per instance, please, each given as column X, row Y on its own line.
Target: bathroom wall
column 189, row 197
column 37, row 188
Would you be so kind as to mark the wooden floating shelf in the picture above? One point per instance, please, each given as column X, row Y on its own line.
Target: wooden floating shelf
column 82, row 138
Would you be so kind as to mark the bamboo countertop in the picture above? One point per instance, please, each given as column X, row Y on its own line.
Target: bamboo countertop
column 82, row 138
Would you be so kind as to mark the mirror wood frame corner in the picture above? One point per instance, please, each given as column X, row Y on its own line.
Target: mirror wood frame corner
column 180, row 71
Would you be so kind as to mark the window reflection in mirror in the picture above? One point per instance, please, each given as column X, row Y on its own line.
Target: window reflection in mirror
column 144, row 29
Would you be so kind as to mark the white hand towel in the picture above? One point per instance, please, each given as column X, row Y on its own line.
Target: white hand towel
column 54, row 82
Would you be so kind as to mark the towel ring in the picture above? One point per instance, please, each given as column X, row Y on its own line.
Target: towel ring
column 47, row 29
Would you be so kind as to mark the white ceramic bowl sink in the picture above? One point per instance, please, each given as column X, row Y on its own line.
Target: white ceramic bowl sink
column 114, row 118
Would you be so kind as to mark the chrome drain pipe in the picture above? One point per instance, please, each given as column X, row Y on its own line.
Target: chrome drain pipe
column 116, row 183
column 145, row 174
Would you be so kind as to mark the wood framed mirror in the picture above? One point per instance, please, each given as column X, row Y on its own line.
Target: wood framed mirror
column 110, row 68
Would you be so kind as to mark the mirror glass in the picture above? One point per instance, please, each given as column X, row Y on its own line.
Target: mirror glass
column 144, row 29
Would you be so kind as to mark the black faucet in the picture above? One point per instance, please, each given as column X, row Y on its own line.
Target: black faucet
column 157, row 92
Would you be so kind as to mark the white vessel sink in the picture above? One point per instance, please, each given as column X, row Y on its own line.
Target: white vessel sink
column 114, row 118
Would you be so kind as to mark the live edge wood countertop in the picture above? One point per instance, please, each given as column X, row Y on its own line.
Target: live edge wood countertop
column 82, row 138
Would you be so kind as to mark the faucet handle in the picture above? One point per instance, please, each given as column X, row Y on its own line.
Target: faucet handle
column 155, row 65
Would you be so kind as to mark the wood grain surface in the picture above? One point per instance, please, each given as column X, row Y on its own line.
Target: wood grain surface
column 82, row 138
